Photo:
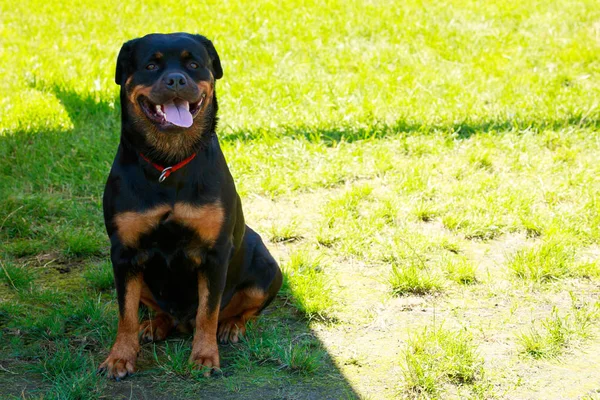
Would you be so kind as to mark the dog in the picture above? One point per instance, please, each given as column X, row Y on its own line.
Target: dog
column 179, row 243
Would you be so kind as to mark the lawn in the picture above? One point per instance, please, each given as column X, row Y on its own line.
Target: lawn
column 426, row 173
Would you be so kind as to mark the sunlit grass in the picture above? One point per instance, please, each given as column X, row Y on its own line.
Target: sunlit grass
column 436, row 357
column 542, row 263
column 308, row 285
column 460, row 270
column 412, row 279
column 559, row 331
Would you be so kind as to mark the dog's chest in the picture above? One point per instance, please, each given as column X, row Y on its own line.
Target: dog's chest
column 170, row 223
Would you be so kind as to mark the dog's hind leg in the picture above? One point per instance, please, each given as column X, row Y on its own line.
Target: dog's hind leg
column 258, row 290
column 159, row 327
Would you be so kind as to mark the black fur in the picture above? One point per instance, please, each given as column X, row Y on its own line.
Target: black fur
column 238, row 258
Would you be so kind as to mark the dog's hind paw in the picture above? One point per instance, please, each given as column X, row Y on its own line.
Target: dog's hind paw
column 157, row 329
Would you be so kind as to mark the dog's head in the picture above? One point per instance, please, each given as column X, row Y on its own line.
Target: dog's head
column 168, row 88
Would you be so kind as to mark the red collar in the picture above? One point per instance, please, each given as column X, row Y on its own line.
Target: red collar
column 166, row 171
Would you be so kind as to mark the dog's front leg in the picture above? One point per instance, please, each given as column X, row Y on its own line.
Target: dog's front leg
column 123, row 355
column 211, row 281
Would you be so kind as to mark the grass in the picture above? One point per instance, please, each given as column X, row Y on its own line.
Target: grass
column 543, row 263
column 17, row 277
column 284, row 232
column 176, row 358
column 461, row 270
column 386, row 151
column 557, row 333
column 413, row 280
column 71, row 372
column 306, row 282
column 262, row 345
column 100, row 276
column 437, row 357
column 274, row 345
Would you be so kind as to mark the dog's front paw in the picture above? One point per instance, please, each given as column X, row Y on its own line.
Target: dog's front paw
column 206, row 359
column 119, row 363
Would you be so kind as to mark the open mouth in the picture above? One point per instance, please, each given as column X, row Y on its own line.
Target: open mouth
column 177, row 112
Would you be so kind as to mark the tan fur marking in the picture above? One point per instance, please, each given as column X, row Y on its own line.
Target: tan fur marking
column 158, row 327
column 206, row 220
column 173, row 147
column 208, row 88
column 244, row 306
column 205, row 352
column 136, row 92
column 131, row 224
column 123, row 355
column 204, row 321
column 194, row 254
column 147, row 299
column 244, row 303
column 128, row 322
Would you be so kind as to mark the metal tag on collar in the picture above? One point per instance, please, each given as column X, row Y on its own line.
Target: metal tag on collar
column 164, row 174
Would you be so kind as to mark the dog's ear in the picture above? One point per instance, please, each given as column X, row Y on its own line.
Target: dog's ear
column 124, row 62
column 214, row 56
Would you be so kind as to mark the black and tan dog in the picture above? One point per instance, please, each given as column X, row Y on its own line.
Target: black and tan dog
column 179, row 243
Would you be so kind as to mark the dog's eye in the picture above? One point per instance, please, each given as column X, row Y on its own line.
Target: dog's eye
column 151, row 67
column 193, row 65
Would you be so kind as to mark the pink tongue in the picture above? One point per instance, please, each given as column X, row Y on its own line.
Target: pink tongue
column 178, row 113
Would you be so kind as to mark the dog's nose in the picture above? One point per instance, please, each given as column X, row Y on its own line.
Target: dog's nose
column 175, row 81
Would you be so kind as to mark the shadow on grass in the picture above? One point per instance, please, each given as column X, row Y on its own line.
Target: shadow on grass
column 379, row 130
column 54, row 339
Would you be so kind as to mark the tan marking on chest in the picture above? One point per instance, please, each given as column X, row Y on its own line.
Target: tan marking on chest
column 205, row 220
column 131, row 225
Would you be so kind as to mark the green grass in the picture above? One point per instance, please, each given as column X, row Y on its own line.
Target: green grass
column 412, row 279
column 543, row 263
column 71, row 372
column 176, row 360
column 437, row 357
column 262, row 345
column 17, row 277
column 274, row 345
column 461, row 270
column 556, row 333
column 284, row 232
column 100, row 276
column 384, row 150
column 310, row 289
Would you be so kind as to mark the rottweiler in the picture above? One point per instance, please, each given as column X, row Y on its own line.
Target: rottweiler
column 179, row 243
